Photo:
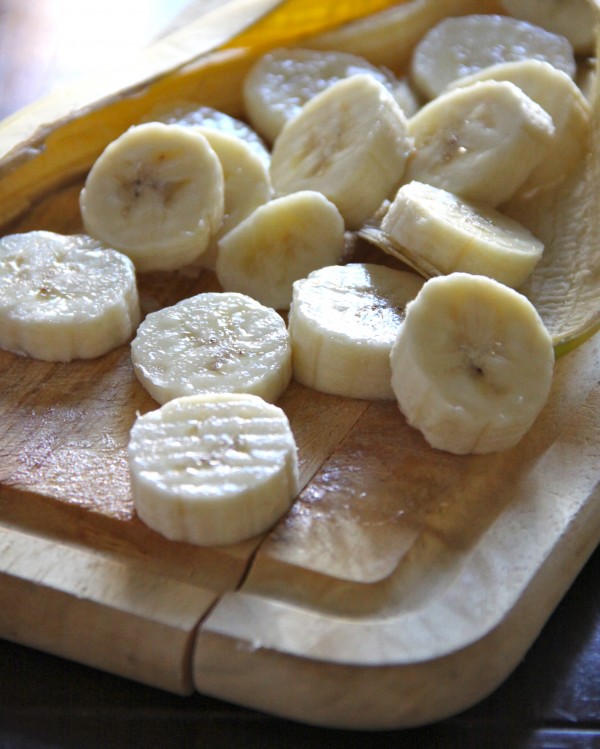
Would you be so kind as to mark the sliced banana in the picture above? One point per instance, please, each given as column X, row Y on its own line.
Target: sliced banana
column 192, row 114
column 284, row 79
column 213, row 342
column 157, row 194
column 247, row 185
column 280, row 242
column 462, row 46
column 452, row 234
column 573, row 19
column 481, row 142
column 64, row 297
column 343, row 322
column 558, row 95
column 388, row 37
column 349, row 142
column 212, row 469
column 472, row 364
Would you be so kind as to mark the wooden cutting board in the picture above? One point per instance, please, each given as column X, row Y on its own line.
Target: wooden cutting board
column 404, row 584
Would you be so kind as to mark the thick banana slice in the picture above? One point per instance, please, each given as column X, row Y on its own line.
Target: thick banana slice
column 157, row 194
column 280, row 242
column 213, row 469
column 451, row 234
column 64, row 297
column 573, row 19
column 558, row 94
column 192, row 114
column 343, row 322
column 283, row 80
column 464, row 45
column 213, row 342
column 247, row 185
column 388, row 38
column 472, row 365
column 349, row 142
column 480, row 142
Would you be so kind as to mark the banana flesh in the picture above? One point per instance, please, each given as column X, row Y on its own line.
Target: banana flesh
column 283, row 80
column 355, row 127
column 157, row 194
column 451, row 234
column 462, row 46
column 472, row 364
column 558, row 95
column 343, row 322
column 280, row 242
column 573, row 19
column 213, row 469
column 246, row 181
column 64, row 297
column 480, row 142
column 212, row 342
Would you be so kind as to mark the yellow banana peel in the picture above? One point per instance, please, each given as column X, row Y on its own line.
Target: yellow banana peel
column 46, row 148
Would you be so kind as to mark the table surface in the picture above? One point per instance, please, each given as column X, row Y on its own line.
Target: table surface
column 551, row 700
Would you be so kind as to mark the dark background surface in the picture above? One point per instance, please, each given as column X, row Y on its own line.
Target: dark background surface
column 552, row 700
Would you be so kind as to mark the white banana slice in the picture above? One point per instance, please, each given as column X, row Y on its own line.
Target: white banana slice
column 349, row 142
column 480, row 142
column 472, row 365
column 388, row 38
column 573, row 19
column 64, row 297
column 558, row 95
column 343, row 322
column 247, row 185
column 284, row 79
column 213, row 469
column 156, row 193
column 213, row 342
column 280, row 242
column 451, row 234
column 462, row 46
column 192, row 114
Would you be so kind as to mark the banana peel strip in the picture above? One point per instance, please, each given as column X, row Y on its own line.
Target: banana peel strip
column 53, row 142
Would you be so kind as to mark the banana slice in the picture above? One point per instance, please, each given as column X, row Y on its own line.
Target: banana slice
column 343, row 322
column 247, row 185
column 472, row 364
column 284, row 79
column 213, row 342
column 212, row 469
column 573, row 19
column 157, row 194
column 558, row 95
column 192, row 114
column 388, row 37
column 349, row 142
column 462, row 46
column 280, row 242
column 452, row 234
column 481, row 142
column 64, row 297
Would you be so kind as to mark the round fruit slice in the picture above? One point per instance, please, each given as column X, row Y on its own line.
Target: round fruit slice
column 64, row 297
column 213, row 342
column 461, row 46
column 472, row 364
column 343, row 322
column 441, row 230
column 213, row 469
column 157, row 194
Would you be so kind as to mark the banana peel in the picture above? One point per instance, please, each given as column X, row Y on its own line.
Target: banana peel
column 48, row 147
